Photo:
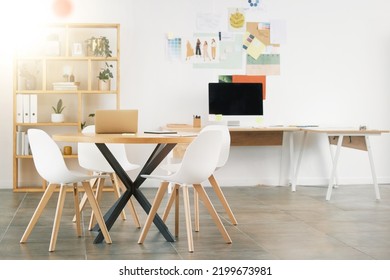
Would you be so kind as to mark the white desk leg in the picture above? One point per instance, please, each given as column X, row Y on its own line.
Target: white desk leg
column 332, row 158
column 295, row 177
column 334, row 167
column 288, row 135
column 281, row 161
column 291, row 169
column 373, row 173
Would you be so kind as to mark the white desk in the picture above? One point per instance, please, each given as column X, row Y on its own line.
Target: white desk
column 254, row 136
column 342, row 137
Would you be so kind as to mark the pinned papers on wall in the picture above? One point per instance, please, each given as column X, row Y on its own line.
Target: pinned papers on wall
column 278, row 31
column 266, row 64
column 173, row 47
column 263, row 59
column 252, row 45
column 236, row 20
column 228, row 52
column 208, row 22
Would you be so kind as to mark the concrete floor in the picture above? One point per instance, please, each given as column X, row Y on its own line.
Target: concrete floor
column 273, row 224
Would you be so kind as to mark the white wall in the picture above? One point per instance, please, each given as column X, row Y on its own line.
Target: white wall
column 334, row 70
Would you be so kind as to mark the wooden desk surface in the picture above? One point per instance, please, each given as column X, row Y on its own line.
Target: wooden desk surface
column 139, row 138
column 246, row 136
column 345, row 131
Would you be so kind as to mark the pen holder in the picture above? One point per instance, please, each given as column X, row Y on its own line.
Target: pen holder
column 196, row 122
column 67, row 150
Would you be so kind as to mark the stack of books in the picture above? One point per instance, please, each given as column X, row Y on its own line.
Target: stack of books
column 65, row 86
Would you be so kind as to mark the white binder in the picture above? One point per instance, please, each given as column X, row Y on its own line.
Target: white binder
column 19, row 108
column 26, row 108
column 19, row 143
column 26, row 145
column 33, row 108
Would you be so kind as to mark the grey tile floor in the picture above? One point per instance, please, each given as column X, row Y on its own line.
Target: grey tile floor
column 273, row 224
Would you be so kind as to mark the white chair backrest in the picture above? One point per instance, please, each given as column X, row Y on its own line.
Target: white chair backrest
column 47, row 157
column 225, row 151
column 92, row 159
column 200, row 158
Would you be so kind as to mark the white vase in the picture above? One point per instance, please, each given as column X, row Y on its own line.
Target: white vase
column 57, row 118
column 104, row 85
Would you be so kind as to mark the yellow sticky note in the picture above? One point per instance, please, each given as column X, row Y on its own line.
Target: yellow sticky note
column 259, row 120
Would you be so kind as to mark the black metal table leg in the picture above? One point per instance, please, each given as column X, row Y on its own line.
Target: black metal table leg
column 132, row 188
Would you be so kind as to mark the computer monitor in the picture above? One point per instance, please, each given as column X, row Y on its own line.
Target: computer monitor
column 235, row 102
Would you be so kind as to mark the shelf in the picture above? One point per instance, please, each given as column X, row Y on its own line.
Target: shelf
column 30, row 157
column 65, row 92
column 48, row 124
column 68, row 58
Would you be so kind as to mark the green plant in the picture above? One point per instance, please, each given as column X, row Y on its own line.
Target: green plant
column 99, row 46
column 59, row 108
column 105, row 73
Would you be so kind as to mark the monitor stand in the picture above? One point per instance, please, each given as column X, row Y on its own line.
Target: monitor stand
column 233, row 123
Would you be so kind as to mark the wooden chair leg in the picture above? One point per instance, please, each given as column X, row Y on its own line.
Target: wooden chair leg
column 222, row 198
column 196, row 211
column 98, row 195
column 177, row 202
column 174, row 197
column 38, row 211
column 153, row 210
column 77, row 209
column 93, row 183
column 187, row 211
column 96, row 209
column 206, row 200
column 57, row 218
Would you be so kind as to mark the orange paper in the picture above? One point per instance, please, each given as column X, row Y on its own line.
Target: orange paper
column 251, row 79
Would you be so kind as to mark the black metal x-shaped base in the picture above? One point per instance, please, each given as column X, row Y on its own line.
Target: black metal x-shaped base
column 132, row 188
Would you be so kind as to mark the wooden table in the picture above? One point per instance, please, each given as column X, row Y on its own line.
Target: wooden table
column 164, row 144
column 343, row 137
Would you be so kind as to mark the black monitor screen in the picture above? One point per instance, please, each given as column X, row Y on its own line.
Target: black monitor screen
column 236, row 99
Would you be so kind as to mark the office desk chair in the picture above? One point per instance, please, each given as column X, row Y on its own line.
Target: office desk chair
column 198, row 164
column 51, row 166
column 92, row 159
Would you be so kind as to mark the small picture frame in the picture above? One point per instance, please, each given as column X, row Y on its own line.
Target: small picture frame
column 77, row 49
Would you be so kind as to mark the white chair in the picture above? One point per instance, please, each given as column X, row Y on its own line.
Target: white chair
column 223, row 157
column 92, row 159
column 51, row 166
column 199, row 162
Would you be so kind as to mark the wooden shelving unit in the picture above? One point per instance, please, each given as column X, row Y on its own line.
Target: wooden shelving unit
column 61, row 50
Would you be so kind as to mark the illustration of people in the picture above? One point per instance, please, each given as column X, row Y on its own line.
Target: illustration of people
column 197, row 48
column 206, row 51
column 190, row 50
column 213, row 48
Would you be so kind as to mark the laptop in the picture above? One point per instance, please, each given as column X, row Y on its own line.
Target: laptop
column 116, row 121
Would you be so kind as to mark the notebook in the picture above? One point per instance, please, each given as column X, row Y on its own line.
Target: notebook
column 116, row 121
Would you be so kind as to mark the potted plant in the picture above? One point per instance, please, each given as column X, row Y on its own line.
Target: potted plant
column 105, row 75
column 57, row 116
column 99, row 46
